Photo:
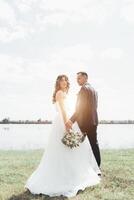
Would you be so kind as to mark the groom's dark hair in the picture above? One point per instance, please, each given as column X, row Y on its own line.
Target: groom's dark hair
column 83, row 74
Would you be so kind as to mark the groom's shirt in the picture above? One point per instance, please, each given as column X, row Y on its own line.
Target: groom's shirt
column 86, row 108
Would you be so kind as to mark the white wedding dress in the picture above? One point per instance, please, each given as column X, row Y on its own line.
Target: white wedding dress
column 63, row 171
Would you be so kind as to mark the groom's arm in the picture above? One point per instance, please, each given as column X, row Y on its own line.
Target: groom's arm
column 82, row 95
column 73, row 118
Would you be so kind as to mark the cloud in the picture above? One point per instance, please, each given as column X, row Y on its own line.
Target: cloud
column 8, row 34
column 13, row 23
column 6, row 12
column 31, row 76
column 74, row 54
column 10, row 29
column 112, row 53
column 77, row 11
column 19, row 19
column 127, row 12
column 24, row 6
column 64, row 37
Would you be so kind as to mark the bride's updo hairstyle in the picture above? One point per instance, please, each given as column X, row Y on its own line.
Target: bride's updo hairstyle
column 57, row 85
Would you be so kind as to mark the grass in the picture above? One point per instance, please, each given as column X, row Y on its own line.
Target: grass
column 117, row 180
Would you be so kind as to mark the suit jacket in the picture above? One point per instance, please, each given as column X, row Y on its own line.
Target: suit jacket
column 86, row 108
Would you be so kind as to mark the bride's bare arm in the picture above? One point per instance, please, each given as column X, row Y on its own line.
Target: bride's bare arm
column 60, row 99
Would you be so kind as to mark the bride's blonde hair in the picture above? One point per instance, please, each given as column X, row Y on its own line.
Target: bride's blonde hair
column 57, row 85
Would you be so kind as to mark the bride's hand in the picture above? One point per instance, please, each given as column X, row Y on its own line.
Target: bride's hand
column 68, row 125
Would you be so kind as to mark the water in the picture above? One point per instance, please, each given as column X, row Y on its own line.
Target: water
column 116, row 136
column 22, row 136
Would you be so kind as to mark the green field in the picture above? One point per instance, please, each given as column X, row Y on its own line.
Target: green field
column 117, row 180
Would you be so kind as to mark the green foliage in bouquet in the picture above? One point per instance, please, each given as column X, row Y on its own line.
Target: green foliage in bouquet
column 73, row 139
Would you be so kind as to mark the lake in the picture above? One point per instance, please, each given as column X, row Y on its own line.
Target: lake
column 35, row 136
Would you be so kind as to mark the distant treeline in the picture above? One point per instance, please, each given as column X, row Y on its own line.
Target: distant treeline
column 116, row 122
column 39, row 121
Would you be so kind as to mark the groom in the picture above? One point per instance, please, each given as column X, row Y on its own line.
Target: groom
column 86, row 113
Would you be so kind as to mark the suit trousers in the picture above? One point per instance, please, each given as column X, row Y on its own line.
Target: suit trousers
column 92, row 137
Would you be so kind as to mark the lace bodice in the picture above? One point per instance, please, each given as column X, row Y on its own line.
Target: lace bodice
column 57, row 106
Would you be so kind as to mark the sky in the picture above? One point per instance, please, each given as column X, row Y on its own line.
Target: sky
column 40, row 39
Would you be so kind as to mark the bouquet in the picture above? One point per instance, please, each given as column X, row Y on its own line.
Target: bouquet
column 73, row 139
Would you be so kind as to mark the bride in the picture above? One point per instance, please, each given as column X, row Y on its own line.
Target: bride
column 62, row 170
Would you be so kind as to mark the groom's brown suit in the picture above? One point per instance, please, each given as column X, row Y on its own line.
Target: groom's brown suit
column 87, row 117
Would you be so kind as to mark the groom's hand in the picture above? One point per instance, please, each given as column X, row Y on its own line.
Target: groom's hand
column 68, row 125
